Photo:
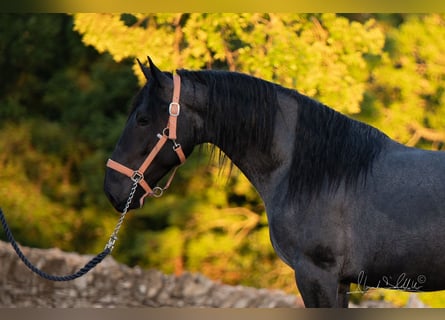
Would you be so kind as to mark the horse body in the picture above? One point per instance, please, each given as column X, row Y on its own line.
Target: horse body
column 403, row 204
column 384, row 234
column 344, row 202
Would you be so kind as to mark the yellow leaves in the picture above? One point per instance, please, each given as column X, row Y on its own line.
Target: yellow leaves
column 237, row 223
column 410, row 83
column 109, row 33
column 321, row 55
column 338, row 68
column 107, row 28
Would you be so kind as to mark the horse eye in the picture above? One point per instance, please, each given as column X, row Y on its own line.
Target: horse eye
column 142, row 120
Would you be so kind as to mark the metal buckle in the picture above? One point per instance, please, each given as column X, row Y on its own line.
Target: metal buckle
column 170, row 110
column 137, row 176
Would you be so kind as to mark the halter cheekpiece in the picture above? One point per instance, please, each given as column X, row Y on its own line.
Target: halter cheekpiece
column 169, row 133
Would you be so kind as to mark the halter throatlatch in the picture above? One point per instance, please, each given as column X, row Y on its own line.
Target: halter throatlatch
column 169, row 133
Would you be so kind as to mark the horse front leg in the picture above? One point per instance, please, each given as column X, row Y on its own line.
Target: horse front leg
column 320, row 288
column 343, row 295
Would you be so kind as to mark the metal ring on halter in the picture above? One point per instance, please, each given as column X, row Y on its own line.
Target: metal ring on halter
column 157, row 192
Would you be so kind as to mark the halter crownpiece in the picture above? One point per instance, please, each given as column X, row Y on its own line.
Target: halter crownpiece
column 169, row 133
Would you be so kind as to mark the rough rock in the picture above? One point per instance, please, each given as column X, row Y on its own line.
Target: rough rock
column 112, row 284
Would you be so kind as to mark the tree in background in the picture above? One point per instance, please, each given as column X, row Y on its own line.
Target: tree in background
column 324, row 56
column 408, row 88
column 62, row 107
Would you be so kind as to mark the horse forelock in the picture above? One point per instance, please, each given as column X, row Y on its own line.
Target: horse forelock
column 329, row 149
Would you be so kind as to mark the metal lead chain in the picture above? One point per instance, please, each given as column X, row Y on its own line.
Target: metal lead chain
column 113, row 237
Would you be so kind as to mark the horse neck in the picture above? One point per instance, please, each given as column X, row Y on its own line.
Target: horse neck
column 252, row 121
column 265, row 166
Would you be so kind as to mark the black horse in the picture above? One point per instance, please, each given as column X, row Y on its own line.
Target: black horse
column 345, row 203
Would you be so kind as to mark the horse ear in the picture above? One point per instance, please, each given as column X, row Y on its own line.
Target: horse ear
column 158, row 75
column 144, row 69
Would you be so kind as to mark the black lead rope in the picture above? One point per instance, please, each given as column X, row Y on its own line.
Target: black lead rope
column 90, row 265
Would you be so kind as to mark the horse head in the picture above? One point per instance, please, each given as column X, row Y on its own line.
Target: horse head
column 158, row 136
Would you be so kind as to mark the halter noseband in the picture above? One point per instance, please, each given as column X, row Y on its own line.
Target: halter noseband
column 169, row 133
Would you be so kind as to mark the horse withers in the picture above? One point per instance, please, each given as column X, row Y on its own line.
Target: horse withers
column 345, row 203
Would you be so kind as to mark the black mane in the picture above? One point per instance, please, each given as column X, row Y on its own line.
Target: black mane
column 242, row 113
column 329, row 147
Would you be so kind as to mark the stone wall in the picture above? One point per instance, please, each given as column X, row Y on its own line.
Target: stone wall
column 112, row 284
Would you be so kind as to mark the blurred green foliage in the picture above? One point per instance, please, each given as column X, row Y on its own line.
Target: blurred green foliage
column 67, row 84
